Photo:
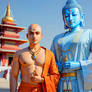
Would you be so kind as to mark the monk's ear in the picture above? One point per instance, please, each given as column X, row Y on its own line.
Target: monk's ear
column 41, row 35
column 27, row 35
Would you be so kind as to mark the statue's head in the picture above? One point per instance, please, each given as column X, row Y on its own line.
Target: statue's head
column 72, row 14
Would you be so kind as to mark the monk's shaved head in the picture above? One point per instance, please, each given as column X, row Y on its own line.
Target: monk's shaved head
column 34, row 34
column 34, row 27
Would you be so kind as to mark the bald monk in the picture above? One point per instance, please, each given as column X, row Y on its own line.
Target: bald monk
column 37, row 65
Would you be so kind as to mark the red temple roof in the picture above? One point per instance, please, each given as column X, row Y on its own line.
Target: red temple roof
column 5, row 50
column 20, row 41
column 12, row 26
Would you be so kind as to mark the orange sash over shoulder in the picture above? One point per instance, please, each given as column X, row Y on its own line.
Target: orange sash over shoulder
column 50, row 73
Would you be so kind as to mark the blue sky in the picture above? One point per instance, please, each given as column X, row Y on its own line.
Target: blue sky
column 46, row 13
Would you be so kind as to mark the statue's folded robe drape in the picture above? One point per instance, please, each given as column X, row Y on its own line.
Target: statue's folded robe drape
column 50, row 74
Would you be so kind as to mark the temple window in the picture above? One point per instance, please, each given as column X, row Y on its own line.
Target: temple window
column 10, row 43
column 10, row 60
column 0, row 43
column 1, row 31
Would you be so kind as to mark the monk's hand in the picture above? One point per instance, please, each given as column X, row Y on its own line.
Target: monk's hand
column 71, row 65
column 37, row 79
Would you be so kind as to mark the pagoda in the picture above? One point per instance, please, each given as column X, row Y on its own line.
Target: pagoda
column 9, row 38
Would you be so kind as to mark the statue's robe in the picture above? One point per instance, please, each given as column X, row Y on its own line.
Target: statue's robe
column 77, row 46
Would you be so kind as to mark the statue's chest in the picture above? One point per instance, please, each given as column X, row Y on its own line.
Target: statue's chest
column 73, row 44
column 67, row 42
column 68, row 45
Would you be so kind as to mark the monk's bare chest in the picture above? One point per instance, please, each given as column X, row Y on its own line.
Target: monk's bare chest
column 26, row 59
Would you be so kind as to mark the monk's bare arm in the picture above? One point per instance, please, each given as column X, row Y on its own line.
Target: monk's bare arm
column 14, row 73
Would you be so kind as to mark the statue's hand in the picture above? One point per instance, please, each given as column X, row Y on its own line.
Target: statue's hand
column 71, row 65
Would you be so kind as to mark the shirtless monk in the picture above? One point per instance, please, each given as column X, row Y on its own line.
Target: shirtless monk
column 37, row 65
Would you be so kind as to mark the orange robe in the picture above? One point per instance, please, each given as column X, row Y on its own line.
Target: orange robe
column 50, row 75
column 26, row 87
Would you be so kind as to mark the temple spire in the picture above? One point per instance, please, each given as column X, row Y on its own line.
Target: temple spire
column 8, row 11
column 8, row 17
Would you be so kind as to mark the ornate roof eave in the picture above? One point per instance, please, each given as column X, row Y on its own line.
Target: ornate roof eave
column 11, row 26
column 14, row 39
column 5, row 50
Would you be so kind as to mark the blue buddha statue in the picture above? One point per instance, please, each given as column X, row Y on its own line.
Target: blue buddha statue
column 72, row 51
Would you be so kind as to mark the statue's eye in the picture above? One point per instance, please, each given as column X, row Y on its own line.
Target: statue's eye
column 74, row 14
column 66, row 16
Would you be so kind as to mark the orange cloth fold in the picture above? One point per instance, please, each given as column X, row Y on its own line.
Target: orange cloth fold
column 50, row 73
column 26, row 87
column 50, row 84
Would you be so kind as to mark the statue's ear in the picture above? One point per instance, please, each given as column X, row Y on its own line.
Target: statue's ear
column 65, row 24
column 82, row 20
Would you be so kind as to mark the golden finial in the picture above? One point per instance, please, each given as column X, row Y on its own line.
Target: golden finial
column 8, row 17
column 8, row 11
column 65, row 59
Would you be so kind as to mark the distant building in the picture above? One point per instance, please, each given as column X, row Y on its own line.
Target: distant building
column 9, row 38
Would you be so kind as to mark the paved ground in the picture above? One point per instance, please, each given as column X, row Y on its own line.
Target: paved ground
column 4, row 85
